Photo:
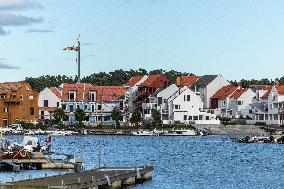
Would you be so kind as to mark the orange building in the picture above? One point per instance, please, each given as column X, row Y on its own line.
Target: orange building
column 18, row 102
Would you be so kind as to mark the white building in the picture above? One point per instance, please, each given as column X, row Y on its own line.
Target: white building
column 131, row 91
column 187, row 106
column 240, row 103
column 179, row 105
column 276, row 105
column 48, row 101
column 207, row 86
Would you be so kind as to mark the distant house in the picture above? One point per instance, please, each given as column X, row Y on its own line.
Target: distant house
column 186, row 80
column 96, row 101
column 240, row 103
column 259, row 105
column 148, row 87
column 131, row 91
column 18, row 102
column 276, row 105
column 48, row 100
column 233, row 102
column 207, row 86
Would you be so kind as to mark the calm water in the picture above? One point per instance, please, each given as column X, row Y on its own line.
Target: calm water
column 180, row 162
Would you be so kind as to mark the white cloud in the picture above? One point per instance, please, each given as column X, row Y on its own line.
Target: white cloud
column 18, row 4
column 8, row 19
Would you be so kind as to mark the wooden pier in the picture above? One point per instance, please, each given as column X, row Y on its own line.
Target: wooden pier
column 105, row 178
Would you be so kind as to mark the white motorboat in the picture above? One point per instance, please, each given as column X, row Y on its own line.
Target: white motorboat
column 180, row 132
column 144, row 133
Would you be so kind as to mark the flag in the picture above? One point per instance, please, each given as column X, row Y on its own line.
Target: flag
column 72, row 48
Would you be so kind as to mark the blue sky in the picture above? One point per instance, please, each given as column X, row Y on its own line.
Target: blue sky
column 238, row 39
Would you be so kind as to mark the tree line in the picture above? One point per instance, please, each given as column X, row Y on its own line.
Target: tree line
column 113, row 78
column 120, row 77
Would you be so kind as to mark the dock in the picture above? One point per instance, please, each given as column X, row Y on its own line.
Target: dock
column 105, row 178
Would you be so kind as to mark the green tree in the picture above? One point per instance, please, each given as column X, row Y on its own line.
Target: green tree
column 80, row 116
column 116, row 116
column 136, row 117
column 59, row 115
column 156, row 115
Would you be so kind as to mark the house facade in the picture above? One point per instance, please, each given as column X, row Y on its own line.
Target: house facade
column 131, row 91
column 18, row 102
column 96, row 101
column 48, row 101
column 207, row 86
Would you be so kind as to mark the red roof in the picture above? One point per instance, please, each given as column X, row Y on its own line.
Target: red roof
column 265, row 96
column 155, row 81
column 133, row 81
column 56, row 92
column 105, row 93
column 108, row 93
column 280, row 89
column 188, row 80
column 224, row 92
column 238, row 93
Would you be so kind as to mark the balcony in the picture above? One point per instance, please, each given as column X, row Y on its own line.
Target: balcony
column 12, row 101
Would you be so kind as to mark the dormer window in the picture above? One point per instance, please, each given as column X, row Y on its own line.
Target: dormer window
column 92, row 96
column 72, row 95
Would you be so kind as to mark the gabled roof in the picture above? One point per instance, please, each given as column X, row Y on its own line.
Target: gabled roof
column 238, row 93
column 133, row 81
column 103, row 93
column 108, row 93
column 280, row 89
column 56, row 91
column 155, row 81
column 188, row 80
column 225, row 92
column 13, row 86
column 204, row 81
column 265, row 96
column 82, row 90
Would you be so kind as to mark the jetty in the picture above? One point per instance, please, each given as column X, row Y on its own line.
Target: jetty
column 106, row 178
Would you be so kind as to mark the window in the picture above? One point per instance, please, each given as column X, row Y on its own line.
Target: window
column 188, row 97
column 195, row 117
column 185, row 117
column 224, row 102
column 207, row 117
column 160, row 100
column 200, row 117
column 2, row 96
column 64, row 106
column 72, row 95
column 5, row 109
column 250, row 111
column 5, row 122
column 71, row 108
column 57, row 104
column 92, row 96
column 99, row 107
column 45, row 103
column 42, row 115
column 86, row 106
column 32, row 111
column 189, row 117
column 78, row 106
column 177, row 107
column 13, row 96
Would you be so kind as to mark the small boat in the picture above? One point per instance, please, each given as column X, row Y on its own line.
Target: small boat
column 144, row 133
column 180, row 132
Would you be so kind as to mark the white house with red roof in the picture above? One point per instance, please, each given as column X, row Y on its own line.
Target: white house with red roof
column 48, row 101
column 232, row 101
column 259, row 105
column 240, row 103
column 131, row 91
column 276, row 105
column 97, row 101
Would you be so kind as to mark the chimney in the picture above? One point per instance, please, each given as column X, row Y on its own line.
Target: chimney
column 178, row 81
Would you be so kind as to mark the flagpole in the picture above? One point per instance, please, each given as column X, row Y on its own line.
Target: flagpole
column 79, row 72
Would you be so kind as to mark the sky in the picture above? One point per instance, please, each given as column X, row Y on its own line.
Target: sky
column 237, row 39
